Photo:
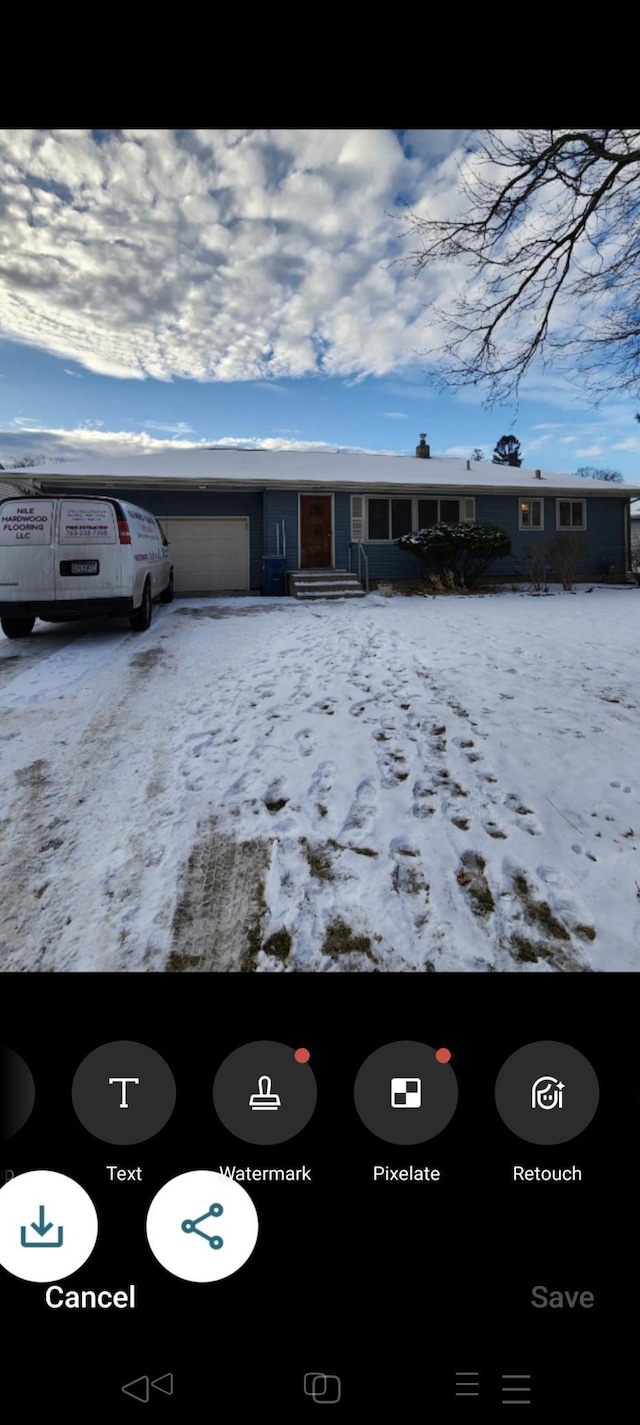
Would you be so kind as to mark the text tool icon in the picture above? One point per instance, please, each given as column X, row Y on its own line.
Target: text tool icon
column 264, row 1098
column 406, row 1093
column 42, row 1227
column 123, row 1082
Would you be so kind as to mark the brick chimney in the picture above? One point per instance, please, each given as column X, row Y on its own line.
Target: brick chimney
column 422, row 450
column 537, row 475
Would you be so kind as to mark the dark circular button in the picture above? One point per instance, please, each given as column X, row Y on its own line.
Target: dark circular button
column 404, row 1093
column 123, row 1092
column 547, row 1092
column 265, row 1092
column 17, row 1092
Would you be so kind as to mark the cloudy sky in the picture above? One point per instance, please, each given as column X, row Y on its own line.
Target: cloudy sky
column 243, row 287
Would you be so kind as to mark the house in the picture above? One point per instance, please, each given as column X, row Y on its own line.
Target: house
column 10, row 486
column 323, row 514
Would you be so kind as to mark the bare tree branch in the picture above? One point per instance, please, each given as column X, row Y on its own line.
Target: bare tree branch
column 547, row 242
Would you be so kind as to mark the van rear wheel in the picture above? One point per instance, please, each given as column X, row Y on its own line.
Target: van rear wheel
column 141, row 619
column 17, row 627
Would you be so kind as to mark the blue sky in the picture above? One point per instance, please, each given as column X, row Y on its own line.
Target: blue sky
column 240, row 287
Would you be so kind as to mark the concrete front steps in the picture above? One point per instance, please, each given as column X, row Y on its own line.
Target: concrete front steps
column 324, row 584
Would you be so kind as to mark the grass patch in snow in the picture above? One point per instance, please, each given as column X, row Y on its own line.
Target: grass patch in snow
column 340, row 940
column 357, row 850
column 471, row 877
column 278, row 945
column 318, row 861
column 539, row 912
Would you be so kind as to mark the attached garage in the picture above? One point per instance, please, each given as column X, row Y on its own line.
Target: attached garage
column 210, row 556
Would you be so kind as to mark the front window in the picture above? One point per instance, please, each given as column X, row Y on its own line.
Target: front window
column 571, row 514
column 380, row 520
column 401, row 518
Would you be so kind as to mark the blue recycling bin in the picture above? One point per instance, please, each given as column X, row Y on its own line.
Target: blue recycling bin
column 274, row 576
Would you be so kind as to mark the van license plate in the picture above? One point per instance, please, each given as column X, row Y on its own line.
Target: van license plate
column 84, row 566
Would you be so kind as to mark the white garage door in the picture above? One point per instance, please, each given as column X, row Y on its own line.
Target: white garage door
column 210, row 556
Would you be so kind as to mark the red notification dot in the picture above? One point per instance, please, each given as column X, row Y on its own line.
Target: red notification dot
column 302, row 1056
column 443, row 1055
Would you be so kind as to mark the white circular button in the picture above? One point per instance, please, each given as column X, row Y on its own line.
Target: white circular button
column 202, row 1226
column 48, row 1226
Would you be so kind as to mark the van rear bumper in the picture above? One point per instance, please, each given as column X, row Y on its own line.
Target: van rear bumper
column 57, row 610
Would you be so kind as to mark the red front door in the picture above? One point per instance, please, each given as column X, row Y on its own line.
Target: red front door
column 315, row 532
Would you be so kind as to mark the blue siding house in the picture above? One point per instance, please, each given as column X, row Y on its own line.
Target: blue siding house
column 226, row 511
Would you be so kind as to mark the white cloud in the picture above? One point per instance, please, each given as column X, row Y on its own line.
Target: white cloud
column 631, row 443
column 214, row 255
column 538, row 443
column 77, row 374
column 395, row 415
column 51, row 443
column 591, row 450
column 180, row 428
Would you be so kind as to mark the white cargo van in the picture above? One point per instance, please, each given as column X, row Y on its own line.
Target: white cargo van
column 65, row 558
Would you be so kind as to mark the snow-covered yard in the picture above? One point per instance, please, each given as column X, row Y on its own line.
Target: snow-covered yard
column 389, row 784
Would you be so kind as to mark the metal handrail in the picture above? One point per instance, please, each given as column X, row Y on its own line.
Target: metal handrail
column 361, row 551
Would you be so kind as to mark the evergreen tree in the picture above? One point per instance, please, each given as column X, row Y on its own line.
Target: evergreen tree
column 507, row 451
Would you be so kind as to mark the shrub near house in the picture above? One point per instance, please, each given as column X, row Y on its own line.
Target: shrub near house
column 464, row 551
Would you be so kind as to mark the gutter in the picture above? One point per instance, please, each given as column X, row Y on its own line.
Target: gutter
column 171, row 482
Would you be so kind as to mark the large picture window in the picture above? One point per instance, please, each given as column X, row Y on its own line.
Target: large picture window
column 380, row 520
column 434, row 511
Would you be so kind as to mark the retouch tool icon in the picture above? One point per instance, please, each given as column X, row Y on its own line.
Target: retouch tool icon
column 547, row 1092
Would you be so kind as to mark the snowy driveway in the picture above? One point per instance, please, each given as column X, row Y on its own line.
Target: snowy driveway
column 388, row 784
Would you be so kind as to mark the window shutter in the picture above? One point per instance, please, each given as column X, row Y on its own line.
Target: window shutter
column 357, row 519
column 469, row 509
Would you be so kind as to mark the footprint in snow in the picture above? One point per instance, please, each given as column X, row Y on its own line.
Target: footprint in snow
column 408, row 876
column 579, row 851
column 322, row 780
column 424, row 794
column 306, row 742
column 393, row 767
column 364, row 806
